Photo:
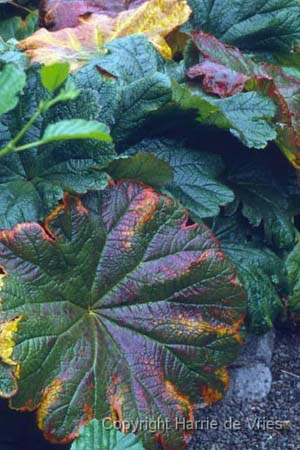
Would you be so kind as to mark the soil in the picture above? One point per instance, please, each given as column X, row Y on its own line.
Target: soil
column 272, row 424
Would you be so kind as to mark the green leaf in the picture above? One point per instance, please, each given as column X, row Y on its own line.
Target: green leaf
column 133, row 91
column 100, row 436
column 246, row 115
column 137, row 101
column 262, row 200
column 141, row 59
column 120, row 309
column 33, row 182
column 10, row 54
column 68, row 92
column 76, row 129
column 18, row 28
column 260, row 271
column 238, row 73
column 293, row 268
column 54, row 76
column 196, row 176
column 257, row 24
column 8, row 383
column 143, row 167
column 12, row 81
column 104, row 93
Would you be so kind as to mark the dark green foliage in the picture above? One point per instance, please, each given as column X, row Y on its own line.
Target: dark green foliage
column 256, row 24
column 196, row 199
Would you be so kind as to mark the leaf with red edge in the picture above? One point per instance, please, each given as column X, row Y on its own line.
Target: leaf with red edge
column 226, row 71
column 218, row 79
column 122, row 310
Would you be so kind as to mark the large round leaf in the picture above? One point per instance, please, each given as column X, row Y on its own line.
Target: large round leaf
column 116, row 307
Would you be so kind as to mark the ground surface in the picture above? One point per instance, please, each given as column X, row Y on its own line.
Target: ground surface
column 282, row 405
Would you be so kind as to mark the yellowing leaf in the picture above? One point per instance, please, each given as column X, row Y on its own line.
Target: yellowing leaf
column 7, row 330
column 155, row 18
column 73, row 45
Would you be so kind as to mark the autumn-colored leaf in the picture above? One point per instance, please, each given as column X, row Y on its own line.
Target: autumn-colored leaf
column 117, row 308
column 155, row 18
column 58, row 14
column 218, row 79
column 226, row 71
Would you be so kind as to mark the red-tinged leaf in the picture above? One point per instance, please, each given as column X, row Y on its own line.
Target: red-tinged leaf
column 218, row 79
column 58, row 14
column 123, row 310
column 226, row 71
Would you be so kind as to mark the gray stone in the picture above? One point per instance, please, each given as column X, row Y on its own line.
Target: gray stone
column 257, row 349
column 252, row 383
column 251, row 377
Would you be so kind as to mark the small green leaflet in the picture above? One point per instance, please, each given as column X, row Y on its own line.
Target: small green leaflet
column 101, row 435
column 12, row 81
column 54, row 75
column 75, row 129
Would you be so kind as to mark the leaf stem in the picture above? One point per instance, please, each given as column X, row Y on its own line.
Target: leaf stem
column 21, row 148
column 11, row 146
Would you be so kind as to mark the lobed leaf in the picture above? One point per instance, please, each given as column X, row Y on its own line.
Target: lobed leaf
column 260, row 270
column 255, row 25
column 262, row 200
column 227, row 71
column 196, row 181
column 122, row 310
column 247, row 115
